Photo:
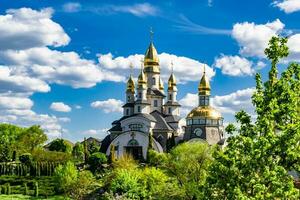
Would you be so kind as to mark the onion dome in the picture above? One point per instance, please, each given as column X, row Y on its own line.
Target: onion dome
column 204, row 86
column 205, row 112
column 151, row 57
column 130, row 85
column 161, row 85
column 142, row 81
column 172, row 82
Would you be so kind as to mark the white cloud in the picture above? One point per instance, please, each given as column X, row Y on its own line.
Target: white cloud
column 186, row 69
column 71, row 7
column 234, row 65
column 109, row 105
column 25, row 28
column 60, row 107
column 230, row 104
column 236, row 101
column 253, row 38
column 64, row 119
column 20, row 83
column 15, row 102
column 65, row 68
column 288, row 6
column 101, row 133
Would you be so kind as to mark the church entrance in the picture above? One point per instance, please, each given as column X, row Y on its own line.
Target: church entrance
column 135, row 151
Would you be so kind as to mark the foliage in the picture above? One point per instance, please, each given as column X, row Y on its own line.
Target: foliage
column 84, row 184
column 26, row 158
column 41, row 155
column 255, row 163
column 230, row 128
column 155, row 158
column 126, row 161
column 60, row 145
column 147, row 183
column 78, row 151
column 65, row 177
column 15, row 140
column 96, row 160
column 32, row 138
column 93, row 147
column 188, row 164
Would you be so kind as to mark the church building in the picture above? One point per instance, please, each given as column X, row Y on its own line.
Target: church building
column 152, row 112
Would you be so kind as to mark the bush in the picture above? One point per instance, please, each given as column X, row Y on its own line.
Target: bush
column 83, row 185
column 96, row 160
column 41, row 155
column 65, row 177
column 126, row 161
column 155, row 158
column 26, row 158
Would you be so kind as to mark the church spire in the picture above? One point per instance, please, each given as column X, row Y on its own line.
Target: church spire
column 130, row 82
column 151, row 61
column 204, row 86
column 172, row 80
column 142, row 81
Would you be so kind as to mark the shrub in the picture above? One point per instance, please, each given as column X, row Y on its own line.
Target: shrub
column 126, row 161
column 96, row 160
column 84, row 185
column 26, row 158
column 65, row 177
column 60, row 145
column 155, row 158
column 40, row 155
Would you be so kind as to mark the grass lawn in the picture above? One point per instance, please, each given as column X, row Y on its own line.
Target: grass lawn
column 19, row 197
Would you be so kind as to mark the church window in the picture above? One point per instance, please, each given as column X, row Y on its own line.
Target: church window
column 155, row 103
column 170, row 110
column 170, row 97
column 220, row 122
column 202, row 121
column 208, row 121
column 140, row 95
column 139, row 108
column 127, row 111
column 135, row 127
column 128, row 98
column 153, row 81
column 133, row 142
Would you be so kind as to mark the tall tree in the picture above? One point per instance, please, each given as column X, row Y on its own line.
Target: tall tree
column 32, row 138
column 255, row 163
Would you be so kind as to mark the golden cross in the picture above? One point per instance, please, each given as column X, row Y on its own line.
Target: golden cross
column 151, row 34
column 172, row 66
column 204, row 65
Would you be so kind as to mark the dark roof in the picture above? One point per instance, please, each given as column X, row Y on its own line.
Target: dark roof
column 117, row 127
column 172, row 118
column 105, row 144
column 170, row 103
column 161, row 123
column 155, row 92
column 147, row 116
column 128, row 105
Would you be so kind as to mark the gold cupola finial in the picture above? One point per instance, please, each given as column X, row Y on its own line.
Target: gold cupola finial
column 204, row 86
column 142, row 81
column 172, row 80
column 130, row 82
column 151, row 61
column 161, row 85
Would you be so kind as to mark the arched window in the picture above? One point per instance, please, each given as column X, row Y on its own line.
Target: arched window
column 153, row 81
column 133, row 142
column 170, row 110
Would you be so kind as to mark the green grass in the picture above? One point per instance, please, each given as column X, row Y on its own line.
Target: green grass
column 21, row 197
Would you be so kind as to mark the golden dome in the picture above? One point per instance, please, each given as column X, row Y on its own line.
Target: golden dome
column 171, row 82
column 204, row 86
column 161, row 85
column 151, row 61
column 206, row 112
column 130, row 85
column 142, row 81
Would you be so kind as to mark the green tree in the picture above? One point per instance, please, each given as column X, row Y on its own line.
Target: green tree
column 78, row 151
column 32, row 138
column 60, row 145
column 93, row 147
column 230, row 129
column 255, row 163
column 188, row 163
column 96, row 160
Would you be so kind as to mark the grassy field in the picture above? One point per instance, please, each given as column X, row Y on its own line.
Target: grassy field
column 21, row 197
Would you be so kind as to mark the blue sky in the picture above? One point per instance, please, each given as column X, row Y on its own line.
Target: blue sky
column 63, row 64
